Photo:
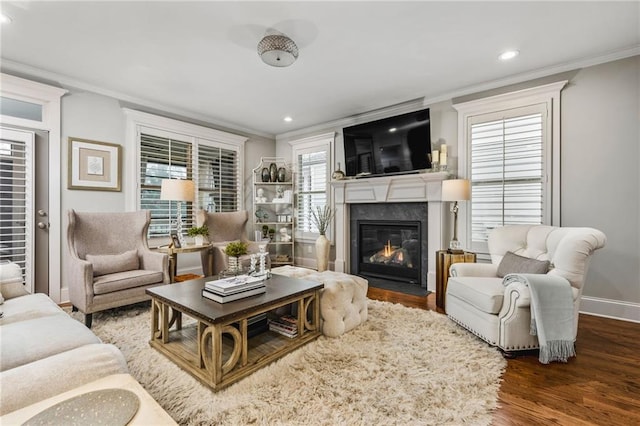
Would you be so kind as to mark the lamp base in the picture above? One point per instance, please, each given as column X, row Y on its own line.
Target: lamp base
column 455, row 247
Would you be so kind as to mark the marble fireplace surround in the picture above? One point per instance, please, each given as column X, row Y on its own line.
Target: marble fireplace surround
column 419, row 188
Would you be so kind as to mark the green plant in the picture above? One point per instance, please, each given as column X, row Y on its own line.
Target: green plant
column 198, row 230
column 321, row 217
column 235, row 249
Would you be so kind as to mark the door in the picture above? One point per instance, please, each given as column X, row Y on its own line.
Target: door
column 24, row 204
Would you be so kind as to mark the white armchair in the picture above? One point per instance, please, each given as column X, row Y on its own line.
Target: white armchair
column 501, row 315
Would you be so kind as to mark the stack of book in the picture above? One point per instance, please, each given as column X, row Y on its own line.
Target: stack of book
column 285, row 325
column 233, row 288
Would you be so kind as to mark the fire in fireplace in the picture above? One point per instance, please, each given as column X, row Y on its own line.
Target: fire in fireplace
column 390, row 250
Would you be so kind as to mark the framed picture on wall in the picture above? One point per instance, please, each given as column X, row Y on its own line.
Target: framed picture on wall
column 94, row 166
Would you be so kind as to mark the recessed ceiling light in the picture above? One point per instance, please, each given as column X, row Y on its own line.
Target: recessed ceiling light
column 4, row 19
column 509, row 54
column 288, row 119
column 393, row 129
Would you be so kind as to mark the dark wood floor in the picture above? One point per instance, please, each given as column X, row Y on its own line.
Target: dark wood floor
column 600, row 386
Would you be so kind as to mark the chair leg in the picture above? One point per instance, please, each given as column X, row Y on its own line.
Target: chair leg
column 88, row 318
column 74, row 308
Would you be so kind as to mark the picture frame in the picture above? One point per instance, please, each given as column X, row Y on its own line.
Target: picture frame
column 94, row 166
column 175, row 240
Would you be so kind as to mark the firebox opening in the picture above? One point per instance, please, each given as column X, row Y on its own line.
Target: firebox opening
column 390, row 250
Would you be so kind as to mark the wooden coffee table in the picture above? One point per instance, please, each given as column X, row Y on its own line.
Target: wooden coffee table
column 215, row 348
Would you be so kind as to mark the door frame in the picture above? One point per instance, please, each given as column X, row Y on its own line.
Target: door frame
column 49, row 98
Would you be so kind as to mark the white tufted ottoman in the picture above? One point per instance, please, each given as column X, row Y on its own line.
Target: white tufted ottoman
column 343, row 301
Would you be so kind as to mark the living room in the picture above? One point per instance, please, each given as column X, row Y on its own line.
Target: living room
column 599, row 131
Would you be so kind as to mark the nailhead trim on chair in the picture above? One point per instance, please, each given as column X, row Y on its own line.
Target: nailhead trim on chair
column 486, row 339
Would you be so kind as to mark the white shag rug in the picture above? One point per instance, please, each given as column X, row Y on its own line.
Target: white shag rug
column 402, row 366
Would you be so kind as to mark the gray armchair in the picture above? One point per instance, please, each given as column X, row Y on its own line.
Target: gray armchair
column 110, row 263
column 223, row 228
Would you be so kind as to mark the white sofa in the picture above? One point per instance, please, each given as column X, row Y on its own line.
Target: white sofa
column 44, row 352
column 343, row 300
column 477, row 299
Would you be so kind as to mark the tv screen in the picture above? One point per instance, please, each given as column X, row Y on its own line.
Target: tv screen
column 399, row 144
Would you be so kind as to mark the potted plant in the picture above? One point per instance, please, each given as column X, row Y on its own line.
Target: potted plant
column 321, row 218
column 199, row 233
column 234, row 250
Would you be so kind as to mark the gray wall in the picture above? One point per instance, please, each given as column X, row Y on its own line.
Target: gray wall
column 600, row 181
column 96, row 117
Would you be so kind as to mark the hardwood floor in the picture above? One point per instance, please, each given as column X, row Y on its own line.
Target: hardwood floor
column 600, row 386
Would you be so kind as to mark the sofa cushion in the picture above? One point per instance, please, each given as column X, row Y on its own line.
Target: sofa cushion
column 512, row 263
column 11, row 282
column 125, row 280
column 30, row 340
column 110, row 263
column 28, row 307
column 41, row 378
column 484, row 293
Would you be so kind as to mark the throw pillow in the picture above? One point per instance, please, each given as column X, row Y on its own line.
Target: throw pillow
column 111, row 263
column 516, row 264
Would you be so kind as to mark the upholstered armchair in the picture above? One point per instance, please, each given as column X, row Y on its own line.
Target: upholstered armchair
column 224, row 228
column 110, row 263
column 478, row 299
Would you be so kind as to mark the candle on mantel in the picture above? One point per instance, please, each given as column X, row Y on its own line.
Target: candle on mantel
column 435, row 156
column 443, row 155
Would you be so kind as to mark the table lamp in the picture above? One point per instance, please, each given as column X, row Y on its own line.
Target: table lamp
column 455, row 190
column 178, row 190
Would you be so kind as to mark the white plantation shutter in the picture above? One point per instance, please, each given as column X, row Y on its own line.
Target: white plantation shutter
column 16, row 202
column 312, row 177
column 163, row 158
column 508, row 170
column 218, row 177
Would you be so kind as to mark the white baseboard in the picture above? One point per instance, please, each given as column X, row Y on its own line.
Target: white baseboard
column 615, row 309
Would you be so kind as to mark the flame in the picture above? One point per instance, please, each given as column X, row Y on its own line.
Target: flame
column 387, row 249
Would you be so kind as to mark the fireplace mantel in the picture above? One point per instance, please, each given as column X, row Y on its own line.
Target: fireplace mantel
column 420, row 187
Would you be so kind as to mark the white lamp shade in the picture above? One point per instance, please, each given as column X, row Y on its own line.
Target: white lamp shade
column 456, row 190
column 177, row 190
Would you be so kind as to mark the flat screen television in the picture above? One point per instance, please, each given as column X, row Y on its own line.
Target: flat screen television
column 393, row 145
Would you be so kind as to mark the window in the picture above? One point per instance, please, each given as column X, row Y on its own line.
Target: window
column 507, row 171
column 169, row 149
column 312, row 157
column 510, row 151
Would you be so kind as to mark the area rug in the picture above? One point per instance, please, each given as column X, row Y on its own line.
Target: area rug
column 402, row 366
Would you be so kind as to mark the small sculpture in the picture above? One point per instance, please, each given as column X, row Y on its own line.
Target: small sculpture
column 284, row 235
column 260, row 198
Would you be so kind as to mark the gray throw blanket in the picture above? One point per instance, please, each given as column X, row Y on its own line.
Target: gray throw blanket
column 551, row 314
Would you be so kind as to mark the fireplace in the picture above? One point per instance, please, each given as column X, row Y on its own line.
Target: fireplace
column 389, row 250
column 389, row 242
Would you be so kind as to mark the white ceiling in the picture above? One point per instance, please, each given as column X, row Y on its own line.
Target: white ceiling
column 199, row 58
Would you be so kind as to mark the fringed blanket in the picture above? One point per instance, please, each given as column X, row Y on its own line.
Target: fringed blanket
column 551, row 314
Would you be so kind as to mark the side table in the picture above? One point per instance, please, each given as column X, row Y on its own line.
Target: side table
column 173, row 256
column 444, row 259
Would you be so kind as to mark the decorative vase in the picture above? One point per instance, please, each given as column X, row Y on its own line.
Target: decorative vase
column 282, row 174
column 273, row 172
column 266, row 176
column 233, row 264
column 199, row 240
column 322, row 252
column 338, row 174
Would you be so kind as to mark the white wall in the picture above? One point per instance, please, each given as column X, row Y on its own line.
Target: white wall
column 96, row 117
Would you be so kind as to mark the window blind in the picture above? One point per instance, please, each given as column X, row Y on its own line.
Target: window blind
column 507, row 173
column 311, row 187
column 218, row 176
column 163, row 158
column 16, row 187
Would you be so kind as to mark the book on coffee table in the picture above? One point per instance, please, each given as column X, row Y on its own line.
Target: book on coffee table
column 234, row 296
column 233, row 284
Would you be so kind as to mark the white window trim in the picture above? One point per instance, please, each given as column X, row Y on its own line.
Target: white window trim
column 548, row 94
column 138, row 122
column 309, row 144
column 50, row 99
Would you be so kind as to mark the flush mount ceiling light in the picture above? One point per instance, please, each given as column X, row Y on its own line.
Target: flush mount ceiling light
column 4, row 19
column 509, row 54
column 288, row 119
column 277, row 50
